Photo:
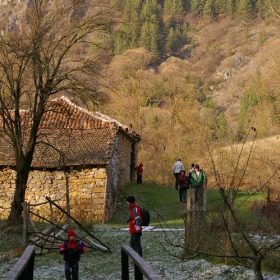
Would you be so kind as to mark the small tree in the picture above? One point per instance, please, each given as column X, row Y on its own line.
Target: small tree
column 47, row 53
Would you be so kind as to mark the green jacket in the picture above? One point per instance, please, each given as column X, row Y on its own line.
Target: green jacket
column 198, row 181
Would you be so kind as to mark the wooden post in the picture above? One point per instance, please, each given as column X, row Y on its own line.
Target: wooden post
column 25, row 238
column 124, row 265
column 68, row 220
column 204, row 193
column 268, row 202
column 187, row 217
column 231, row 201
column 91, row 206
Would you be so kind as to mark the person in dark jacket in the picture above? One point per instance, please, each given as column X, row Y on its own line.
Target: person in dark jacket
column 182, row 185
column 139, row 172
column 135, row 225
column 72, row 249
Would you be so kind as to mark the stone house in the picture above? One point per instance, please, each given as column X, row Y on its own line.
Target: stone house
column 88, row 153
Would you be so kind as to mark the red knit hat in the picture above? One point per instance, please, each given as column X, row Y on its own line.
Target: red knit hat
column 71, row 232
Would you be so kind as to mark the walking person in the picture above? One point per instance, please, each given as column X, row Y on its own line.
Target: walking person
column 198, row 180
column 182, row 185
column 135, row 225
column 72, row 249
column 190, row 173
column 139, row 172
column 177, row 167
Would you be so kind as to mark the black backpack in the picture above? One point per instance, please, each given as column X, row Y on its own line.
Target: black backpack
column 145, row 217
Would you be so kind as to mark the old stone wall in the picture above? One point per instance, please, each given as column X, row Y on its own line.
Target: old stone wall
column 87, row 189
column 118, row 173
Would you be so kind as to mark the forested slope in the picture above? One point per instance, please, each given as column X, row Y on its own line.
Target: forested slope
column 185, row 73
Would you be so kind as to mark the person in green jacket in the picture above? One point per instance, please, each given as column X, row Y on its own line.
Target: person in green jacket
column 198, row 180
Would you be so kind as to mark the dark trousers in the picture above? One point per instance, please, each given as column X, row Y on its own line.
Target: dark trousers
column 198, row 195
column 183, row 195
column 71, row 271
column 139, row 179
column 135, row 243
column 176, row 175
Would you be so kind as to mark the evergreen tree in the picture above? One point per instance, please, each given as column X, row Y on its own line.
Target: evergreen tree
column 187, row 5
column 170, row 45
column 155, row 46
column 197, row 7
column 167, row 8
column 244, row 9
column 120, row 43
column 182, row 34
column 219, row 7
column 223, row 130
column 209, row 10
column 230, row 7
column 173, row 8
column 150, row 7
column 145, row 36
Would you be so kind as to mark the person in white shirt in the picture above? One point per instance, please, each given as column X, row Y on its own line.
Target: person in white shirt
column 177, row 167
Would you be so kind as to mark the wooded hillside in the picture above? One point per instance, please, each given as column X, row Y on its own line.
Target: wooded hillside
column 185, row 73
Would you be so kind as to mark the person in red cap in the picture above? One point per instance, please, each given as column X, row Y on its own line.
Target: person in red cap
column 72, row 250
column 135, row 224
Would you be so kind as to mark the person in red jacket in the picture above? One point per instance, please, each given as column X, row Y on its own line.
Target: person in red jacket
column 72, row 250
column 135, row 225
column 182, row 185
column 139, row 172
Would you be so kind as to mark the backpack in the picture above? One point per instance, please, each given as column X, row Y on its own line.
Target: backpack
column 145, row 217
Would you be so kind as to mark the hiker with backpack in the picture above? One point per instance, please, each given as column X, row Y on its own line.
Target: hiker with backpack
column 72, row 249
column 135, row 224
column 198, row 180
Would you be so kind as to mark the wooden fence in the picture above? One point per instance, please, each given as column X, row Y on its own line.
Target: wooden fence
column 141, row 268
column 23, row 269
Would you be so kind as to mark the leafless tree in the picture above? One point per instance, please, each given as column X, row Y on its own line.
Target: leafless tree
column 49, row 51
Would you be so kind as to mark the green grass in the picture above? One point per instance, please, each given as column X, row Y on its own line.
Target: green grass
column 163, row 202
column 160, row 201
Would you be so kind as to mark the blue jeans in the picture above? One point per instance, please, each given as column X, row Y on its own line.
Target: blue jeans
column 135, row 243
column 71, row 271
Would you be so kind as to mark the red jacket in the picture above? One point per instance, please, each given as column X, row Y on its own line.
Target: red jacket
column 135, row 223
column 182, row 180
column 139, row 169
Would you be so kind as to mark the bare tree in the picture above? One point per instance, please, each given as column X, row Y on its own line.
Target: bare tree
column 49, row 51
column 230, row 230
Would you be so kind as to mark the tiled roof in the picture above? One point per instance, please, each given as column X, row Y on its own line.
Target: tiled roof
column 70, row 135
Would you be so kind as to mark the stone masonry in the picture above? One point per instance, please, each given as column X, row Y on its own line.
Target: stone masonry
column 86, row 192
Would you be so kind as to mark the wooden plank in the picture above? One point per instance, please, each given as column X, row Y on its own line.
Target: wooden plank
column 142, row 265
column 96, row 246
column 15, row 272
column 46, row 231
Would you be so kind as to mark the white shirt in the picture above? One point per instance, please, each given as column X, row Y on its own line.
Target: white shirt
column 178, row 166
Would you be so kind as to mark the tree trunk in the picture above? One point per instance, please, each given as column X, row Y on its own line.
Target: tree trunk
column 15, row 215
column 257, row 268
